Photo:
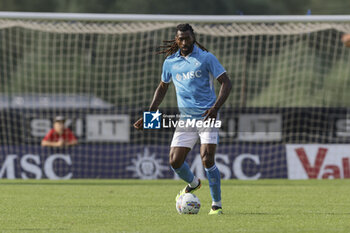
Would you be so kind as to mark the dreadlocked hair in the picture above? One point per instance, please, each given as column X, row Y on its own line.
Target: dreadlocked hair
column 170, row 47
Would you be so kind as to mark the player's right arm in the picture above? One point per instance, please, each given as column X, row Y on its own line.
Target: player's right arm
column 158, row 97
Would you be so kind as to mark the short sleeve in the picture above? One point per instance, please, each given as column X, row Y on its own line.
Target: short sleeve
column 214, row 66
column 70, row 136
column 48, row 136
column 166, row 75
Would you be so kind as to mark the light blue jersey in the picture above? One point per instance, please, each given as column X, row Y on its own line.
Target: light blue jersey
column 193, row 79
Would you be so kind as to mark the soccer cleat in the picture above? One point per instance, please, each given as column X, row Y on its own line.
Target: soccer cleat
column 215, row 210
column 188, row 189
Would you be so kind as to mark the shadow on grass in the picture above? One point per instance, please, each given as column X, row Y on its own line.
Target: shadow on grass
column 257, row 213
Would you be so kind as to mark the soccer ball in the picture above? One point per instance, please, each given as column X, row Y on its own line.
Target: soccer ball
column 188, row 203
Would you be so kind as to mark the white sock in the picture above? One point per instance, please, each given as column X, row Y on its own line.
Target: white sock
column 194, row 182
column 216, row 203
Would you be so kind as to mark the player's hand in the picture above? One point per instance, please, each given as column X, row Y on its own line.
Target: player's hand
column 139, row 124
column 60, row 143
column 346, row 40
column 211, row 113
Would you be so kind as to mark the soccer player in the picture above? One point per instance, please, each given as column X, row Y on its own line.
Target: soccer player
column 59, row 136
column 192, row 69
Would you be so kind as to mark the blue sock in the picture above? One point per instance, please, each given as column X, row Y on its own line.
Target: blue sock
column 184, row 172
column 213, row 175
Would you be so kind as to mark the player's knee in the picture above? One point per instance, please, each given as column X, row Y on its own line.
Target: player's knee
column 174, row 162
column 208, row 160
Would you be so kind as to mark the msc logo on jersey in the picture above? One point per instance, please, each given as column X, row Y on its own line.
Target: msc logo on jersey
column 151, row 120
column 178, row 77
column 189, row 75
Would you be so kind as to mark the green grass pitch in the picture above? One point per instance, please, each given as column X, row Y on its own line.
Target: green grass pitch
column 149, row 206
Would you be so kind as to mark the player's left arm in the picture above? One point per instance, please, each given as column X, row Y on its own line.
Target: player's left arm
column 224, row 92
column 72, row 140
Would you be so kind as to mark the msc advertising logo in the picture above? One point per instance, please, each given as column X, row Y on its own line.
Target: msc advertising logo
column 189, row 75
column 151, row 120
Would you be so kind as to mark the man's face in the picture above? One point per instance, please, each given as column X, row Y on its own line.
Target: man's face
column 58, row 127
column 185, row 41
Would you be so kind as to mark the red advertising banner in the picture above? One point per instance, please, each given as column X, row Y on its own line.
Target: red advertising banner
column 318, row 161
